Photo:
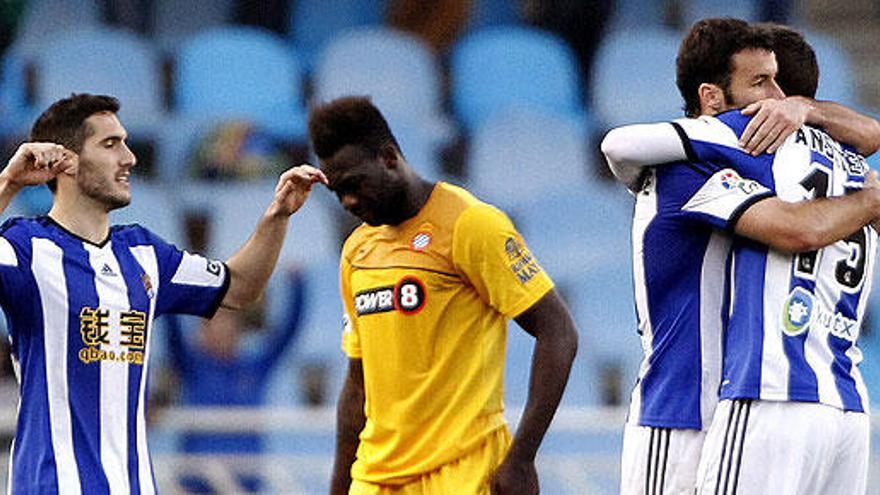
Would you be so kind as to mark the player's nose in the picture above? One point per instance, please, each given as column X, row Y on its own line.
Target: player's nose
column 775, row 91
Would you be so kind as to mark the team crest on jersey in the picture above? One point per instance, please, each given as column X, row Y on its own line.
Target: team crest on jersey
column 797, row 312
column 421, row 241
column 407, row 296
column 731, row 180
column 148, row 285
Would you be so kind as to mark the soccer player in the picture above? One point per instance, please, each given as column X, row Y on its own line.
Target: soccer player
column 722, row 64
column 81, row 297
column 429, row 282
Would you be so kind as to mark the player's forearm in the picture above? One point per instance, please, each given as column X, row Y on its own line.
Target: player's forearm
column 8, row 190
column 551, row 364
column 845, row 125
column 252, row 265
column 808, row 225
column 350, row 421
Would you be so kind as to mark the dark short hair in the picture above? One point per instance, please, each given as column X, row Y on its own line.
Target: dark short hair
column 706, row 56
column 351, row 120
column 64, row 121
column 798, row 68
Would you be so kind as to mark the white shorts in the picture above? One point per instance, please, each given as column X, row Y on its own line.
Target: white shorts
column 796, row 448
column 659, row 461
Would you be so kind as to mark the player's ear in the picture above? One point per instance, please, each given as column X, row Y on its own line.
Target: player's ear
column 711, row 98
column 389, row 156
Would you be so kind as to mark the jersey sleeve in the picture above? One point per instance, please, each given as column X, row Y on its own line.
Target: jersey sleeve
column 351, row 341
column 718, row 197
column 189, row 283
column 493, row 257
column 631, row 148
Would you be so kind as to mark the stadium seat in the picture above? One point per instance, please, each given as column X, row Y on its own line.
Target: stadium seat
column 62, row 15
column 401, row 76
column 621, row 96
column 241, row 72
column 397, row 70
column 521, row 154
column 93, row 60
column 503, row 67
column 16, row 112
column 314, row 23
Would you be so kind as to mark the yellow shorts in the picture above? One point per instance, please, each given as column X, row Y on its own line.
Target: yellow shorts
column 467, row 475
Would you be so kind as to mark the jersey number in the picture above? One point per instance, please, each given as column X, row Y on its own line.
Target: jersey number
column 850, row 270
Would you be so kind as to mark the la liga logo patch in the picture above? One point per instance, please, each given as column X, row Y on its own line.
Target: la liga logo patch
column 421, row 241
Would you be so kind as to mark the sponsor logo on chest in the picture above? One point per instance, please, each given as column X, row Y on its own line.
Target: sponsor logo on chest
column 407, row 296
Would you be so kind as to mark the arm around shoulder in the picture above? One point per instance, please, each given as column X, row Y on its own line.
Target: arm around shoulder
column 808, row 225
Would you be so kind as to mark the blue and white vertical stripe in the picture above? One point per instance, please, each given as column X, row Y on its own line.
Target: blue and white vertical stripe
column 80, row 317
column 794, row 319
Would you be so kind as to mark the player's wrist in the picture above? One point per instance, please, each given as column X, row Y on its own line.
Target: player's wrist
column 277, row 212
column 8, row 184
column 814, row 114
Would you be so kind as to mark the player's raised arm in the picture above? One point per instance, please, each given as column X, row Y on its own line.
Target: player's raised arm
column 33, row 164
column 251, row 266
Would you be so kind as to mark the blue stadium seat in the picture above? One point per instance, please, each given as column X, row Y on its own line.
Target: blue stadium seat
column 16, row 114
column 401, row 75
column 622, row 96
column 241, row 72
column 62, row 15
column 518, row 155
column 313, row 23
column 503, row 67
column 104, row 61
column 94, row 60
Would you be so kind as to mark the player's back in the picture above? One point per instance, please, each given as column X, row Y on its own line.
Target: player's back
column 795, row 319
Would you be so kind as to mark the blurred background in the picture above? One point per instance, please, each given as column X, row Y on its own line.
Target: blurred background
column 506, row 97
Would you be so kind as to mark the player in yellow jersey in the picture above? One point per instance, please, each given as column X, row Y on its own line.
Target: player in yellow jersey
column 429, row 282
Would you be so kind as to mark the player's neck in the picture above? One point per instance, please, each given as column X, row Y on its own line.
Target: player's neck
column 417, row 197
column 82, row 217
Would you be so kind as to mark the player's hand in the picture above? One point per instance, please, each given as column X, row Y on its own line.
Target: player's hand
column 294, row 187
column 773, row 121
column 37, row 163
column 515, row 477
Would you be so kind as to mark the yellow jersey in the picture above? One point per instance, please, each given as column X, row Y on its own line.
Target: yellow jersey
column 427, row 305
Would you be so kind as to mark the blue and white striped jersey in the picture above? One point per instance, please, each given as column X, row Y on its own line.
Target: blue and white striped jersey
column 680, row 251
column 80, row 317
column 794, row 320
